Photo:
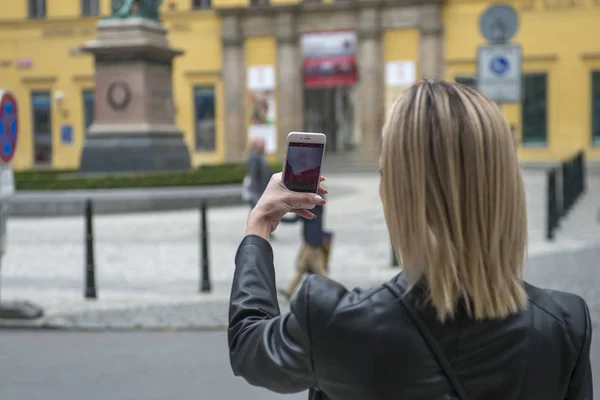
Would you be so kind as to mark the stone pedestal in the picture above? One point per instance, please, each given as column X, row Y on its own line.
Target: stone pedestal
column 134, row 127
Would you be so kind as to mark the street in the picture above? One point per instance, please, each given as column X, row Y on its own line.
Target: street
column 53, row 365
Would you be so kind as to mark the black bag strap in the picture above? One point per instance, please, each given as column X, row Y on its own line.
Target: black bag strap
column 431, row 342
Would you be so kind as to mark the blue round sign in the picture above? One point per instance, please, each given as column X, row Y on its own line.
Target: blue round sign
column 499, row 65
column 9, row 126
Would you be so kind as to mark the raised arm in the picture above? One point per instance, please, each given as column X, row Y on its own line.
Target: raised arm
column 266, row 348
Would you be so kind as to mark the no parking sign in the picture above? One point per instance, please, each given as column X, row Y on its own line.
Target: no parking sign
column 499, row 62
column 9, row 134
column 9, row 125
column 499, row 72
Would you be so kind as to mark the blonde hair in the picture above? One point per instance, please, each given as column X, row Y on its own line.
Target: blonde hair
column 454, row 199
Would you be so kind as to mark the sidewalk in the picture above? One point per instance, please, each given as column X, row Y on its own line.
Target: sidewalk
column 147, row 265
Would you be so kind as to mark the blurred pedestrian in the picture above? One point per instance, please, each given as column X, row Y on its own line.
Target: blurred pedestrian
column 311, row 256
column 258, row 171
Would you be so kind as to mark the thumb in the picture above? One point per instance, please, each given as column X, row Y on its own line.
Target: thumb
column 312, row 198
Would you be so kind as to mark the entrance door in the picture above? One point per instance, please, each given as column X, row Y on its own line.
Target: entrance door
column 329, row 111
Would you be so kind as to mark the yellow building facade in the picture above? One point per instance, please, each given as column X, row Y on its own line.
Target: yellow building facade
column 560, row 109
column 41, row 63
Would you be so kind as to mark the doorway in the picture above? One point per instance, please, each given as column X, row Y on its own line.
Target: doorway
column 330, row 111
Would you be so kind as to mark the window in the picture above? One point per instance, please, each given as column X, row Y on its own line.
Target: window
column 37, row 8
column 42, row 127
column 204, row 118
column 201, row 4
column 255, row 3
column 534, row 110
column 596, row 108
column 90, row 8
column 469, row 81
column 88, row 109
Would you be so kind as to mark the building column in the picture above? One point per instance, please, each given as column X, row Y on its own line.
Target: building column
column 290, row 106
column 431, row 43
column 234, row 89
column 370, row 104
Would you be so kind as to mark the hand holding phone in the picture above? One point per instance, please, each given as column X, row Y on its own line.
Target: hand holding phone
column 303, row 161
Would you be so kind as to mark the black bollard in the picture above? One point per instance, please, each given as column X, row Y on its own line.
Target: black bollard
column 90, row 268
column 566, row 189
column 583, row 171
column 552, row 211
column 204, row 272
column 580, row 174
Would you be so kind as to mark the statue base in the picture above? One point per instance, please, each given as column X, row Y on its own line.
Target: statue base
column 134, row 128
column 134, row 152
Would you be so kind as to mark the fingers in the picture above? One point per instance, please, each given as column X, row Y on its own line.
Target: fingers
column 322, row 189
column 305, row 214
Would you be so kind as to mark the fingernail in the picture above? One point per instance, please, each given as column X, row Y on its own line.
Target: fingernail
column 319, row 199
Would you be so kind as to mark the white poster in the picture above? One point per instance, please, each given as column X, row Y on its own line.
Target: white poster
column 400, row 73
column 261, row 105
column 261, row 77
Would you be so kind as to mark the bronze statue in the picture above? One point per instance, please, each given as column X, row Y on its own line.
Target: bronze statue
column 136, row 8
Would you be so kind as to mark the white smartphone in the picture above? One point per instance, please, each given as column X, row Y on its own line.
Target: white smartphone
column 303, row 161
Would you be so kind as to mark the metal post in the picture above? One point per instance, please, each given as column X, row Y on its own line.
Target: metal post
column 580, row 174
column 566, row 193
column 90, row 268
column 205, row 285
column 583, row 172
column 552, row 212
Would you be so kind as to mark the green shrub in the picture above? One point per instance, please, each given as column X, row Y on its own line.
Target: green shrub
column 70, row 180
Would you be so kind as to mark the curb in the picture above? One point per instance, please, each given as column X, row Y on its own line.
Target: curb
column 119, row 201
column 33, row 325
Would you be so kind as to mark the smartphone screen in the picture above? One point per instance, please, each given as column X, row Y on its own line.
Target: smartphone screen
column 303, row 166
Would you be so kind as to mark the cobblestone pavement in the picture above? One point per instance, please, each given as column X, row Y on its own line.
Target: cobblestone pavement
column 148, row 264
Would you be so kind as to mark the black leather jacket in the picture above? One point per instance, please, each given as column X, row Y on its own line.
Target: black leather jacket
column 362, row 345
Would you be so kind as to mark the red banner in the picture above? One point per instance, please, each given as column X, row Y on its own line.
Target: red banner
column 329, row 59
